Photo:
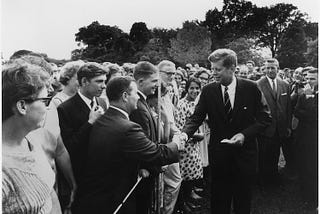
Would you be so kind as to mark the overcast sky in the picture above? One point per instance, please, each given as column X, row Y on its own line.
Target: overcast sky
column 49, row 26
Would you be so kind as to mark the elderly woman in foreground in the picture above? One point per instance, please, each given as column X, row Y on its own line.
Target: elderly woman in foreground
column 27, row 178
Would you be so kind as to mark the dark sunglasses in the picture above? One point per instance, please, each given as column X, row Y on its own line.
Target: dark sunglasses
column 45, row 100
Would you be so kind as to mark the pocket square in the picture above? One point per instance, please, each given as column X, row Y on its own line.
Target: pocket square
column 283, row 94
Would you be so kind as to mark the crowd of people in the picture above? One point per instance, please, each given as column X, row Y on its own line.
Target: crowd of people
column 88, row 137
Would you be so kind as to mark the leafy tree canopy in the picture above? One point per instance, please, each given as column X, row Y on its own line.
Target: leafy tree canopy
column 192, row 44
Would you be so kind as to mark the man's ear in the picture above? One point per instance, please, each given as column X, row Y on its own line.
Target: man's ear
column 21, row 107
column 125, row 96
column 84, row 81
column 140, row 81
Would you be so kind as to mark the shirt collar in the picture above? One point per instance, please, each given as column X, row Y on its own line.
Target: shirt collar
column 142, row 94
column 271, row 80
column 122, row 111
column 86, row 99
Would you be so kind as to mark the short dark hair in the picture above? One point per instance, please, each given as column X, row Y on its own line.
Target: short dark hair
column 272, row 60
column 20, row 80
column 89, row 71
column 144, row 69
column 117, row 86
column 201, row 71
column 192, row 79
column 313, row 71
column 228, row 57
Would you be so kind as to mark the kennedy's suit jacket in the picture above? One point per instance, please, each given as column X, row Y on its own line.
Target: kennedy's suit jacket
column 280, row 107
column 75, row 130
column 116, row 147
column 250, row 116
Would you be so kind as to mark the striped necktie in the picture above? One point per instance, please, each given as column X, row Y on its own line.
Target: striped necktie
column 227, row 104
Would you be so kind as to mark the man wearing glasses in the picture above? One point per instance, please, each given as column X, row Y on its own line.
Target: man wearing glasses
column 172, row 176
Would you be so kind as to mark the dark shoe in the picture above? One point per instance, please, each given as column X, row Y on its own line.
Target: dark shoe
column 189, row 206
column 195, row 197
column 199, row 191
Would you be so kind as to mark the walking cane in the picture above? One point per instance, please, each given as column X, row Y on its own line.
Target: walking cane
column 127, row 196
column 159, row 182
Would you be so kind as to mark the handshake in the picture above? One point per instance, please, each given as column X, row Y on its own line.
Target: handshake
column 180, row 140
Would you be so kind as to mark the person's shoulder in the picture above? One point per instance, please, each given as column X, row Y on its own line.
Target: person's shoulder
column 69, row 103
column 247, row 82
column 209, row 87
column 262, row 80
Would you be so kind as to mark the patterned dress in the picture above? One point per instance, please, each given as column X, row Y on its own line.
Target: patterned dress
column 27, row 183
column 190, row 159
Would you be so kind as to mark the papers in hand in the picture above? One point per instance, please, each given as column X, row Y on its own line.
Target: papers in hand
column 227, row 141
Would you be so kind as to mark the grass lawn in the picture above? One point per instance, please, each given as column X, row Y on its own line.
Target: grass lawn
column 281, row 200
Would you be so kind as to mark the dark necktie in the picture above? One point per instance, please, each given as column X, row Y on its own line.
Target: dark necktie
column 91, row 104
column 227, row 104
column 274, row 88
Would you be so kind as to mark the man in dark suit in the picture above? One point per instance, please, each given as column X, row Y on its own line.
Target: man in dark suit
column 116, row 147
column 146, row 76
column 236, row 113
column 77, row 114
column 277, row 95
column 306, row 111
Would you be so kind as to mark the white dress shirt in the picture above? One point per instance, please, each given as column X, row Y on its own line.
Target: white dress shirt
column 87, row 100
column 271, row 83
column 231, row 90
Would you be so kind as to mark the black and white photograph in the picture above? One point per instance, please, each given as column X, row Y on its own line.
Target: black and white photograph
column 159, row 107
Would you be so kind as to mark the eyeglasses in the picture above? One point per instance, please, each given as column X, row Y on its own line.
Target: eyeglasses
column 45, row 100
column 168, row 73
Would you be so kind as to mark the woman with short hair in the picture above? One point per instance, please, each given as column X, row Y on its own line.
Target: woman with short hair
column 27, row 177
column 68, row 78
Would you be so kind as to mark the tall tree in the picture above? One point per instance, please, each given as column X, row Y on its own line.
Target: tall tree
column 271, row 23
column 246, row 50
column 230, row 23
column 311, row 30
column 139, row 35
column 154, row 51
column 98, row 35
column 292, row 47
column 163, row 36
column 192, row 44
column 312, row 53
column 103, row 43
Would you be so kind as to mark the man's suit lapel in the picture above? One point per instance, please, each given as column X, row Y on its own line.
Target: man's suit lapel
column 81, row 105
column 152, row 122
column 268, row 88
column 279, row 88
column 239, row 96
